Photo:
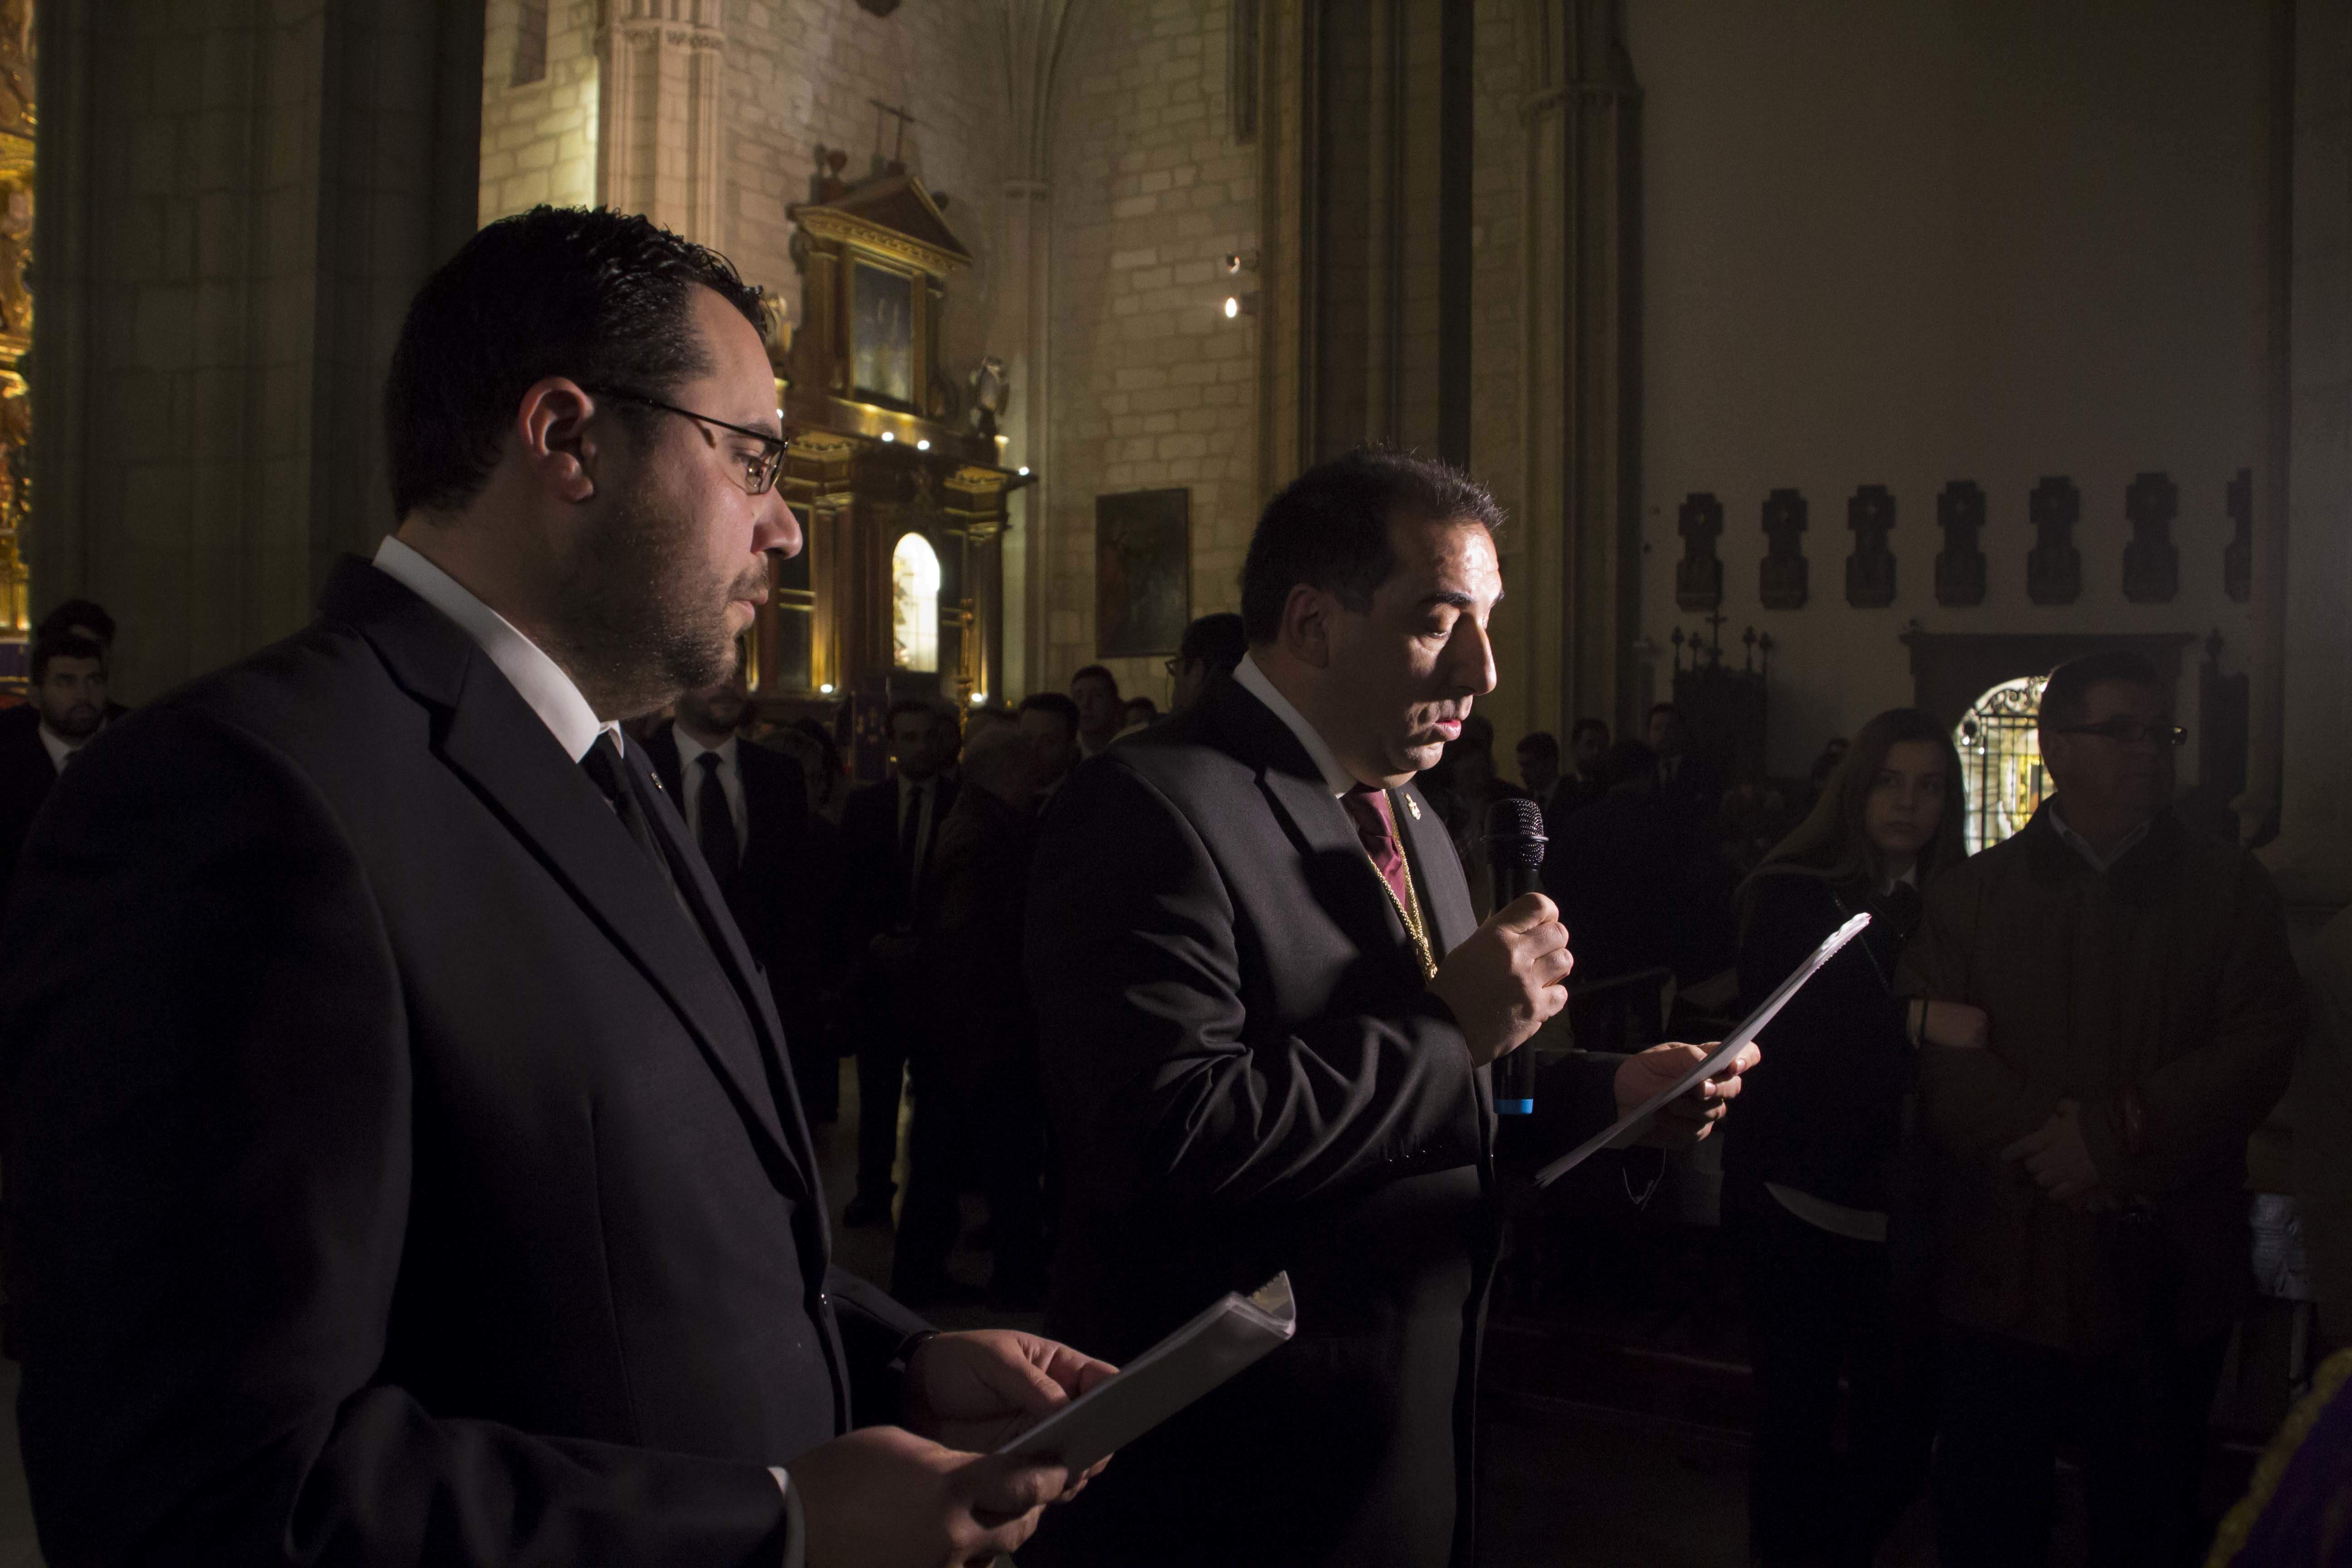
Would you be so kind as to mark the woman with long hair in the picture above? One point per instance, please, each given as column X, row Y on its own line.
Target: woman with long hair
column 1810, row 1172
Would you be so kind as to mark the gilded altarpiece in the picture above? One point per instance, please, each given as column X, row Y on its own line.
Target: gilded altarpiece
column 17, row 120
column 903, row 502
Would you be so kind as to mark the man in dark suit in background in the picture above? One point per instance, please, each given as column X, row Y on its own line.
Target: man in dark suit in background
column 1209, row 652
column 746, row 809
column 1267, row 1013
column 890, row 833
column 404, row 1165
column 67, row 710
column 1051, row 721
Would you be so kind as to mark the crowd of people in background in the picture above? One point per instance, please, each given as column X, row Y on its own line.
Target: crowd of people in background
column 1924, row 1246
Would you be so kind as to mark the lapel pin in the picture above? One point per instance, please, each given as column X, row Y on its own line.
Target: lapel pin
column 1414, row 806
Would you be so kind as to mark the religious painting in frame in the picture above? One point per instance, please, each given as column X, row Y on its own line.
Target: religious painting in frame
column 882, row 334
column 1143, row 572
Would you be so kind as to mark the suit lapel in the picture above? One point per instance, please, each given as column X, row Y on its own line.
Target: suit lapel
column 1444, row 892
column 493, row 740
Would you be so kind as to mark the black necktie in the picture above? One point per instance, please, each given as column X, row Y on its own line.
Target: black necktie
column 1902, row 907
column 603, row 764
column 715, row 826
column 911, row 831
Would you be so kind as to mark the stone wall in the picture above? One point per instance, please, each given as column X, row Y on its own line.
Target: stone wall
column 1154, row 387
column 538, row 139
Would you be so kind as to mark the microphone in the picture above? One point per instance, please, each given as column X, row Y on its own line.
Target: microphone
column 1514, row 849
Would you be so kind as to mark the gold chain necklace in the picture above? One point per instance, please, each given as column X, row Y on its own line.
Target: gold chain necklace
column 1408, row 909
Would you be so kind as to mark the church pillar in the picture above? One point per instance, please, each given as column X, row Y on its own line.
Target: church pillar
column 2303, row 558
column 237, row 199
column 1579, row 554
column 659, row 74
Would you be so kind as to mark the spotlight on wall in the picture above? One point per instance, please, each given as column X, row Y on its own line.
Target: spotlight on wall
column 887, row 436
column 923, row 445
column 827, row 689
column 1243, row 261
column 980, row 699
column 1240, row 305
column 1024, row 470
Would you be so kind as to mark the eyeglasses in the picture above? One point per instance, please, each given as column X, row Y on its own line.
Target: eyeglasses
column 759, row 473
column 1174, row 666
column 2130, row 731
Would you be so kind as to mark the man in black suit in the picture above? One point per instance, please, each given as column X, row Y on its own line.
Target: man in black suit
column 746, row 810
column 70, row 617
column 1051, row 721
column 889, row 833
column 1267, row 1013
column 404, row 1164
column 67, row 709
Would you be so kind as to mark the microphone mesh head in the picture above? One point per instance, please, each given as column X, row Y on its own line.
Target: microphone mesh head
column 1514, row 831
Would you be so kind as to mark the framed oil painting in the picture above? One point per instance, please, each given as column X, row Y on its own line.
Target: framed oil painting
column 1143, row 572
column 882, row 334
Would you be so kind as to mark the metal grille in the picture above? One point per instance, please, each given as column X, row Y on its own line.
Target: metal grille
column 2000, row 752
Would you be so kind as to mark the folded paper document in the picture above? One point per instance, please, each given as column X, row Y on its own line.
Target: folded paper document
column 1752, row 1026
column 1172, row 1375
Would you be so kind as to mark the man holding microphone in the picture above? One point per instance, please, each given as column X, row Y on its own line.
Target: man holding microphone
column 1267, row 1018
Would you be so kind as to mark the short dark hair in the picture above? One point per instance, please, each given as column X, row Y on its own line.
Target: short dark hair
column 1218, row 640
column 65, row 645
column 1329, row 529
column 73, row 613
column 602, row 297
column 1096, row 672
column 1052, row 702
column 2066, row 700
column 1585, row 725
column 1151, row 709
column 906, row 705
column 1543, row 744
column 1658, row 708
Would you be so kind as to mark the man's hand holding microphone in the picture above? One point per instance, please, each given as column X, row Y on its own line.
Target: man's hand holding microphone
column 1511, row 975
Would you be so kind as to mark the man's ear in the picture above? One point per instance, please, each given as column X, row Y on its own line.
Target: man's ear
column 1306, row 626
column 553, row 426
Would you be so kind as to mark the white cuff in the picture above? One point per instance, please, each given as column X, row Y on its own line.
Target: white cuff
column 795, row 1524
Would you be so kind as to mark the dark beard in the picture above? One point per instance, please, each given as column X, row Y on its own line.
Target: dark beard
column 635, row 626
column 78, row 722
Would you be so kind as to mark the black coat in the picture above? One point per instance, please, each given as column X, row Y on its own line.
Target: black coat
column 1825, row 1117
column 879, row 880
column 397, row 1173
column 26, row 776
column 1246, row 1074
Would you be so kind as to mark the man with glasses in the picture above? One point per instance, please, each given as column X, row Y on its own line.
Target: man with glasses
column 404, row 1157
column 2144, row 1012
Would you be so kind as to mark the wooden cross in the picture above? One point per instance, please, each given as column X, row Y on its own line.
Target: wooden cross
column 905, row 119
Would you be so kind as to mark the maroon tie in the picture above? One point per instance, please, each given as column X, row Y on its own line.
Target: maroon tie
column 1375, row 822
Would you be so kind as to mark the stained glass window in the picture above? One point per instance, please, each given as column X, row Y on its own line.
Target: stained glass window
column 914, row 604
column 2000, row 752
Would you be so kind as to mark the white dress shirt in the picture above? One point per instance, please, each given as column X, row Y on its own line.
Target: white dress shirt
column 539, row 679
column 1254, row 682
column 690, row 752
column 575, row 724
column 61, row 749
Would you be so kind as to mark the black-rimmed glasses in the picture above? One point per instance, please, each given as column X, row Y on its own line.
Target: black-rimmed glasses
column 2130, row 731
column 759, row 472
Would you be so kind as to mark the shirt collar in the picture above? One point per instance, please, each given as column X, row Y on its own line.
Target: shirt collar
column 1253, row 681
column 539, row 678
column 688, row 748
column 2081, row 846
column 1909, row 879
column 59, row 748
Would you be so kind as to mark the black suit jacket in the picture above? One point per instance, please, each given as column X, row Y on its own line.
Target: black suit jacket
column 397, row 1173
column 1246, row 1074
column 883, row 894
column 26, row 776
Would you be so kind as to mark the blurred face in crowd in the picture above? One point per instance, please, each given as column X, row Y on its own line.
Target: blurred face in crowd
column 1397, row 681
column 915, row 742
column 1054, row 745
column 1190, row 676
column 1538, row 770
column 1591, row 744
column 1906, row 804
column 2121, row 775
column 1101, row 714
column 71, row 697
column 1666, row 733
column 665, row 560
column 715, row 709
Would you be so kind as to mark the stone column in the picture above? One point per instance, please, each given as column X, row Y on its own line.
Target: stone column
column 660, row 80
column 238, row 198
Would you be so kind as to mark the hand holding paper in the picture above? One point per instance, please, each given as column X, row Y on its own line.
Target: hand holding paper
column 1688, row 1117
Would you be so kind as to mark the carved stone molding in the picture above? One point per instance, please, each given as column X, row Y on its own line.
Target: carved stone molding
column 1961, row 566
column 2053, row 568
column 1870, row 570
column 1782, row 577
column 1699, row 575
column 2151, row 560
